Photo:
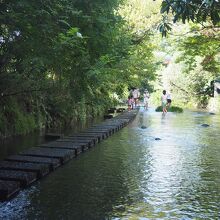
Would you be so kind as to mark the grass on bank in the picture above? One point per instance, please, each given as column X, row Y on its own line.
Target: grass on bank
column 171, row 109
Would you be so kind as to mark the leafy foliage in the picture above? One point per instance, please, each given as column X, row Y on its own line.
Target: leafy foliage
column 65, row 60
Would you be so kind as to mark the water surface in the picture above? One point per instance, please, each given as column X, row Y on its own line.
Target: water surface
column 133, row 176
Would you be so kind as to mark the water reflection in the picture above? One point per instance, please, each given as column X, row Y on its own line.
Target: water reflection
column 133, row 176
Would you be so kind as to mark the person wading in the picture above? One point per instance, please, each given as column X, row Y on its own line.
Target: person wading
column 164, row 101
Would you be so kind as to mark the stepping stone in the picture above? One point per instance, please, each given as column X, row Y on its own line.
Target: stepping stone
column 40, row 169
column 25, row 178
column 103, row 135
column 110, row 127
column 52, row 162
column 88, row 143
column 8, row 189
column 63, row 155
column 94, row 140
column 98, row 136
column 78, row 148
column 104, row 130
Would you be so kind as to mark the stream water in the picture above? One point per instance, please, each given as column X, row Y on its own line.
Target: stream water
column 133, row 176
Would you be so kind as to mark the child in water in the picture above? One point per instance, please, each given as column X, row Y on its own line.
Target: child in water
column 130, row 102
column 164, row 101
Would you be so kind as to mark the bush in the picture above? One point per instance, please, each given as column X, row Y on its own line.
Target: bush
column 171, row 109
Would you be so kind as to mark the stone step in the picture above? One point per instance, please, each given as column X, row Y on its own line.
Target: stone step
column 25, row 178
column 88, row 143
column 94, row 140
column 52, row 162
column 104, row 135
column 82, row 135
column 63, row 155
column 41, row 169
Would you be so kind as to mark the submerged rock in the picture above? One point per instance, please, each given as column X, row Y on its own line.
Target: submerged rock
column 157, row 139
column 205, row 125
column 143, row 127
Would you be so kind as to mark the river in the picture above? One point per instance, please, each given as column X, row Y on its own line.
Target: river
column 155, row 168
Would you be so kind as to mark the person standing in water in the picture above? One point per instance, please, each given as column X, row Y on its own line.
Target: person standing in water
column 146, row 99
column 136, row 95
column 164, row 101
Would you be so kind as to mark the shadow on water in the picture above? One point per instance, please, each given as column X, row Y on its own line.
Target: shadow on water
column 17, row 144
column 133, row 176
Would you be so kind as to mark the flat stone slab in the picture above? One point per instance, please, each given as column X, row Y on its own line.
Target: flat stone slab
column 8, row 189
column 63, row 155
column 25, row 178
column 41, row 169
column 78, row 148
column 114, row 128
column 104, row 135
column 100, row 130
column 52, row 162
column 82, row 135
column 88, row 143
column 94, row 140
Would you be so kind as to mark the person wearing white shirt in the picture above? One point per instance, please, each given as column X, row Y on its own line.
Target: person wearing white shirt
column 146, row 99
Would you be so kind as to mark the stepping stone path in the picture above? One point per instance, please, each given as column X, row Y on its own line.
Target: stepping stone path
column 19, row 171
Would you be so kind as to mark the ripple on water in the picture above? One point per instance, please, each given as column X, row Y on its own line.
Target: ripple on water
column 132, row 176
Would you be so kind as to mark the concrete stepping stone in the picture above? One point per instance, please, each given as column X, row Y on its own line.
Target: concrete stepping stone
column 52, row 162
column 40, row 169
column 99, row 134
column 8, row 189
column 78, row 148
column 99, row 130
column 110, row 127
column 25, row 178
column 88, row 143
column 94, row 140
column 82, row 135
column 63, row 155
